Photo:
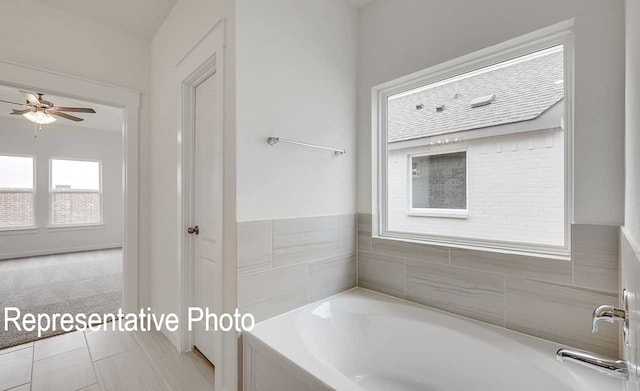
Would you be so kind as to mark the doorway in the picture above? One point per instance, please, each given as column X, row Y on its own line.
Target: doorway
column 127, row 102
column 206, row 231
column 61, row 208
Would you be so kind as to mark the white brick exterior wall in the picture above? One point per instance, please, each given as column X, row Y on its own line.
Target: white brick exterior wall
column 515, row 189
column 16, row 208
column 75, row 208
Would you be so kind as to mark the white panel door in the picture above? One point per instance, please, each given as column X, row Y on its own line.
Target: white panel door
column 207, row 192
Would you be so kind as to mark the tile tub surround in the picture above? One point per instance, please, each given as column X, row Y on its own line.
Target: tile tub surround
column 284, row 264
column 550, row 299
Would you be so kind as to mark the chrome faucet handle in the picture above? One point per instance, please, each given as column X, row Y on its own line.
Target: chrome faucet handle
column 611, row 366
column 607, row 313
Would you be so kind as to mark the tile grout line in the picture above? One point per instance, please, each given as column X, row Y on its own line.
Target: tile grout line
column 93, row 363
column 155, row 367
column 357, row 250
column 272, row 249
column 33, row 363
column 504, row 301
column 404, row 280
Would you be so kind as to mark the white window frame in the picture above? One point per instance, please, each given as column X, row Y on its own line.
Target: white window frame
column 437, row 212
column 34, row 225
column 52, row 225
column 559, row 34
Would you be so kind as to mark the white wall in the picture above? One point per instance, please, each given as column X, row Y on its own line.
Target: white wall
column 87, row 50
column 187, row 22
column 515, row 189
column 70, row 142
column 630, row 254
column 400, row 37
column 296, row 65
column 632, row 135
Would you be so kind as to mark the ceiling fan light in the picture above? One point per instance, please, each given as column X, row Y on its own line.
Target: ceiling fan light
column 39, row 117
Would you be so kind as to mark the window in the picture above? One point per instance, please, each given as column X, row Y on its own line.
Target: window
column 439, row 182
column 76, row 192
column 16, row 192
column 474, row 152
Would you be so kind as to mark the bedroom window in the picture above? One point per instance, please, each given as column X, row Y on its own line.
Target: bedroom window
column 75, row 192
column 16, row 192
column 474, row 152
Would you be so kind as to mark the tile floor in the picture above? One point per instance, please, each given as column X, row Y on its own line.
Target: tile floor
column 103, row 361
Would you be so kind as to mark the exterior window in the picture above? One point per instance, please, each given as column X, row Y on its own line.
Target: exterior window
column 475, row 155
column 439, row 181
column 76, row 192
column 16, row 192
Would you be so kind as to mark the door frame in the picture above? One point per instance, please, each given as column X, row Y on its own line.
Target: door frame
column 205, row 58
column 49, row 82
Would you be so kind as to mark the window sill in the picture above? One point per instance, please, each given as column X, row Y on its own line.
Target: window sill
column 555, row 254
column 75, row 227
column 7, row 231
column 446, row 213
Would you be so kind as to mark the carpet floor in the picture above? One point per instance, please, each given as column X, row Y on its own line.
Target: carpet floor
column 84, row 282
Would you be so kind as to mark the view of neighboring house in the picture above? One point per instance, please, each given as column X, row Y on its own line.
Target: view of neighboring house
column 481, row 155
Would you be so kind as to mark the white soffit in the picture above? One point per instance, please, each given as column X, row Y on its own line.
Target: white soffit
column 139, row 17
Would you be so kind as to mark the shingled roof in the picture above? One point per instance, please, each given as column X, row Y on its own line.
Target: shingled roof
column 523, row 90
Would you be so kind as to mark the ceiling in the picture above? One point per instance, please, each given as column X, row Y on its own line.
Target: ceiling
column 140, row 17
column 106, row 117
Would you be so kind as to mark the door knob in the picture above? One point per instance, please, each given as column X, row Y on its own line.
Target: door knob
column 193, row 230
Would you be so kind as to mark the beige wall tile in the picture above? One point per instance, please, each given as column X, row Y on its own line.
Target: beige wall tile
column 542, row 269
column 272, row 292
column 411, row 250
column 305, row 239
column 254, row 246
column 364, row 223
column 381, row 272
column 364, row 232
column 595, row 254
column 348, row 222
column 478, row 295
column 348, row 241
column 348, row 233
column 331, row 276
column 560, row 313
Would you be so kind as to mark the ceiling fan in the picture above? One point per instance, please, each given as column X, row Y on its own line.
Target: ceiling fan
column 43, row 112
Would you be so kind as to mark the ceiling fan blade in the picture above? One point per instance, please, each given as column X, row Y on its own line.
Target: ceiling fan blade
column 31, row 98
column 75, row 109
column 13, row 103
column 20, row 112
column 65, row 116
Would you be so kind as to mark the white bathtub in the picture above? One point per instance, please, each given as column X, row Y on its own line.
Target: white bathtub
column 361, row 340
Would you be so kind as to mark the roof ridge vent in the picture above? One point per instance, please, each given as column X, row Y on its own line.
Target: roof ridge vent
column 482, row 100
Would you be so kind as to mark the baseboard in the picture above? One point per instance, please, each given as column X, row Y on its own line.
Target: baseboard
column 25, row 254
